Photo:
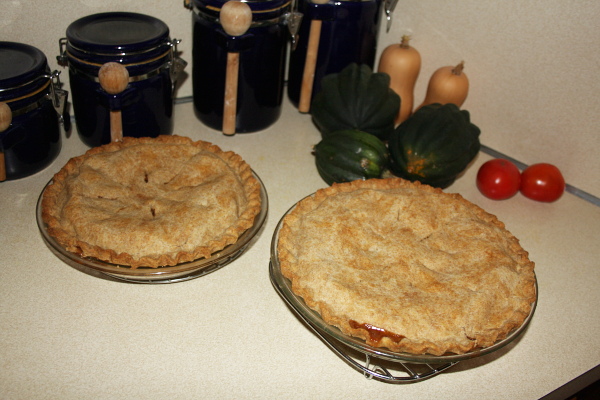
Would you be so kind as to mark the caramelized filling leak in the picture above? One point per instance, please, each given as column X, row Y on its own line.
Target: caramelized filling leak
column 375, row 333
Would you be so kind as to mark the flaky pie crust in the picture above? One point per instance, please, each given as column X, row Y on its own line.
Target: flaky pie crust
column 151, row 202
column 406, row 266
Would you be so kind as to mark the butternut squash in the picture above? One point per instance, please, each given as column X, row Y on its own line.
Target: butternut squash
column 447, row 85
column 402, row 63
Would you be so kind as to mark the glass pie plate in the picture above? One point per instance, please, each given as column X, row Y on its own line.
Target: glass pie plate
column 391, row 367
column 168, row 274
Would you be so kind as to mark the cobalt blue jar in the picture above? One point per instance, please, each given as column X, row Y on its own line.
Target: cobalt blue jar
column 349, row 34
column 142, row 44
column 262, row 63
column 31, row 105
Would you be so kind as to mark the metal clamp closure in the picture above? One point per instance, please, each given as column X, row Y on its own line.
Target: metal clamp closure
column 293, row 20
column 62, row 58
column 59, row 97
column 176, row 63
column 389, row 6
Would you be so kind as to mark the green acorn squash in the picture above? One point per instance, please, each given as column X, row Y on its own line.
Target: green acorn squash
column 356, row 98
column 347, row 155
column 434, row 146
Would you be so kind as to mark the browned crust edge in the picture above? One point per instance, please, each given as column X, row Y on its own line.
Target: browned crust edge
column 480, row 340
column 83, row 249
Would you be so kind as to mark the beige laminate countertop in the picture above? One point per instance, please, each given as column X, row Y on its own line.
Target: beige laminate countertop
column 65, row 334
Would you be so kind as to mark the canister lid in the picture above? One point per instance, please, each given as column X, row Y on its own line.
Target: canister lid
column 117, row 33
column 20, row 64
column 261, row 9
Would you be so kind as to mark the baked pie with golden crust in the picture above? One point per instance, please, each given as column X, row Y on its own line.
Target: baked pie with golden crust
column 151, row 201
column 406, row 266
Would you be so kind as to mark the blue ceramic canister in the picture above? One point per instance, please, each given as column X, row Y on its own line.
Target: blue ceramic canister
column 349, row 32
column 262, row 63
column 31, row 110
column 142, row 44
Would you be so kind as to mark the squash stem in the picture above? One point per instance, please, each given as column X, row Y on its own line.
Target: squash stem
column 459, row 68
column 404, row 42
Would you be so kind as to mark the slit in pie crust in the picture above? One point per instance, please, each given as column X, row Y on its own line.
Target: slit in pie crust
column 151, row 202
column 406, row 266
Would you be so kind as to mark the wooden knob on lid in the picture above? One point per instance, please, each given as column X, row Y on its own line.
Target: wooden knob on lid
column 235, row 18
column 5, row 116
column 114, row 78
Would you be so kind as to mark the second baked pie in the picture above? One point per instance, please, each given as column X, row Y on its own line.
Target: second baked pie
column 406, row 266
column 151, row 202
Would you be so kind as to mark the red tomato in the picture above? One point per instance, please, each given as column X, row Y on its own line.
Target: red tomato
column 498, row 179
column 542, row 182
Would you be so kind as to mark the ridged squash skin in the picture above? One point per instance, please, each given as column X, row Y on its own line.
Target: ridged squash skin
column 348, row 155
column 434, row 146
column 356, row 98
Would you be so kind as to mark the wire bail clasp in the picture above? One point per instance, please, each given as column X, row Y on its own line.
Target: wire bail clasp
column 389, row 6
column 59, row 98
column 176, row 63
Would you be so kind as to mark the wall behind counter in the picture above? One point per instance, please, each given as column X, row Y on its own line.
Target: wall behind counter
column 533, row 66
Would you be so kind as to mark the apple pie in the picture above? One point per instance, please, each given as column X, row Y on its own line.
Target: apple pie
column 406, row 266
column 151, row 202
